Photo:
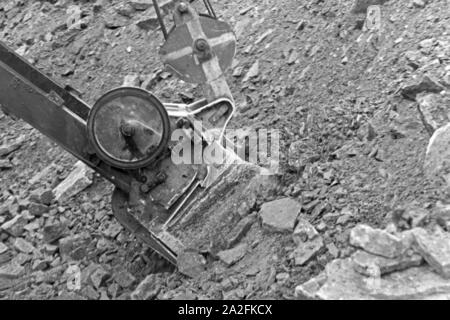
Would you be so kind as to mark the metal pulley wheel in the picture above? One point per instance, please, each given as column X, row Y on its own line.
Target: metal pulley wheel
column 128, row 128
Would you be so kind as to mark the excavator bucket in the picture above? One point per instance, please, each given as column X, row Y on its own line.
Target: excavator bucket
column 172, row 164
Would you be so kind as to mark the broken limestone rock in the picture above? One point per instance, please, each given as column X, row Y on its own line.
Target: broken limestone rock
column 131, row 80
column 442, row 214
column 124, row 279
column 237, row 72
column 344, row 283
column 301, row 25
column 434, row 109
column 148, row 81
column 141, row 5
column 425, row 84
column 369, row 265
column 37, row 209
column 99, row 276
column 301, row 154
column 191, row 263
column 167, row 6
column 438, row 154
column 45, row 175
column 15, row 226
column 8, row 207
column 240, row 26
column 232, row 256
column 79, row 179
column 435, row 249
column 310, row 287
column 376, row 241
column 409, row 217
column 5, row 257
column 74, row 15
column 333, row 250
column 293, row 57
column 419, row 3
column 53, row 232
column 263, row 36
column 240, row 230
column 50, row 249
column 253, row 72
column 8, row 148
column 40, row 265
column 280, row 215
column 282, row 277
column 413, row 284
column 22, row 258
column 87, row 272
column 74, row 247
column 366, row 132
column 113, row 230
column 42, row 196
column 149, row 22
column 148, row 289
column 11, row 270
column 114, row 21
column 126, row 10
column 304, row 231
column 361, row 6
column 24, row 246
column 306, row 251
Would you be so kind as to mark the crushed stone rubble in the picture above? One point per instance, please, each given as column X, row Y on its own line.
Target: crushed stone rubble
column 361, row 210
column 417, row 267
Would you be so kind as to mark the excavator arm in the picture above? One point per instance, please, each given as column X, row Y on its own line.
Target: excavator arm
column 28, row 94
column 126, row 135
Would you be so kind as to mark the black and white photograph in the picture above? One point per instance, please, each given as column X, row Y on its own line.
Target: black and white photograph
column 224, row 157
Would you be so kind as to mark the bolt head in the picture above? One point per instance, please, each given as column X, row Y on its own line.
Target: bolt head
column 182, row 7
column 201, row 44
column 144, row 188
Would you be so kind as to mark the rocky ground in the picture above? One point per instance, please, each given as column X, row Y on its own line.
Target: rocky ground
column 362, row 206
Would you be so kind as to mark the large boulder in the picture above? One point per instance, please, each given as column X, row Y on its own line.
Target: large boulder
column 340, row 281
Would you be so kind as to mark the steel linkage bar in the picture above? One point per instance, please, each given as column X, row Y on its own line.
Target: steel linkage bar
column 210, row 8
column 160, row 18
